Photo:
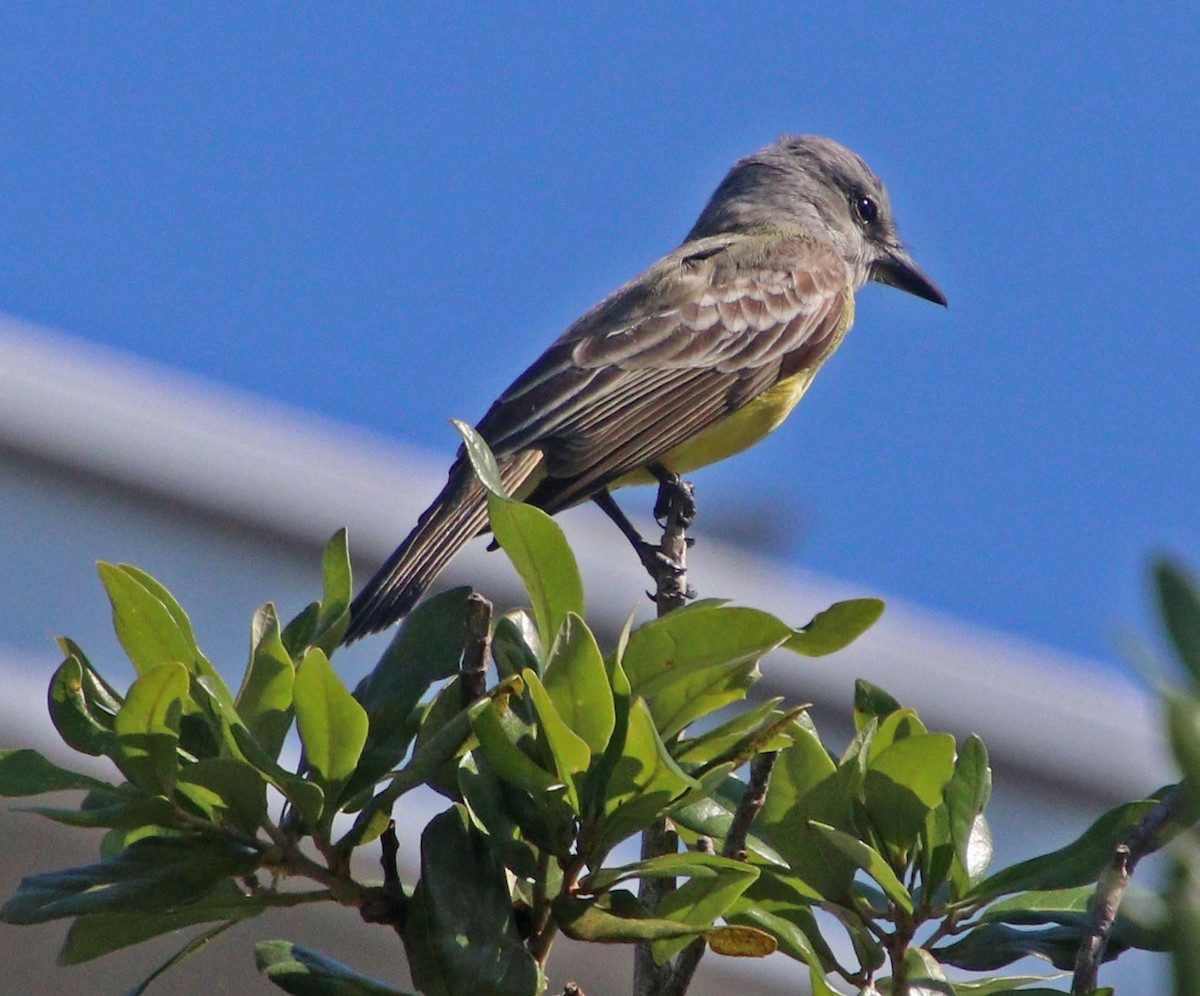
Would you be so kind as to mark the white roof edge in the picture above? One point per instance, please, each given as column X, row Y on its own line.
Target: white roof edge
column 150, row 428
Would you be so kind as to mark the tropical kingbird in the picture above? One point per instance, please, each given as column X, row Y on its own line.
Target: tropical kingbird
column 696, row 359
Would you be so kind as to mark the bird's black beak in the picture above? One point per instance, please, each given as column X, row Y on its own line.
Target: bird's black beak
column 897, row 268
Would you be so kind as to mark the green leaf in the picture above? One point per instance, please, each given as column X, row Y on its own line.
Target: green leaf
column 980, row 851
column 869, row 860
column 806, row 785
column 577, row 682
column 712, row 816
column 1184, row 923
column 598, row 781
column 871, row 702
column 671, row 648
column 926, row 977
column 483, row 462
column 159, row 591
column 302, row 972
column 644, row 782
column 147, row 727
column 447, row 711
column 1055, row 900
column 264, row 702
column 504, row 752
column 993, row 945
column 106, row 696
column 688, row 864
column 889, row 729
column 460, row 935
column 298, row 634
column 333, row 618
column 122, row 806
column 1183, row 730
column 712, row 743
column 427, row 648
column 966, row 796
column 1141, row 922
column 699, row 693
column 699, row 901
column 197, row 664
column 510, row 816
column 568, row 752
column 1015, row 985
column 308, row 797
column 336, row 578
column 535, row 544
column 778, row 732
column 332, row 725
column 431, row 757
column 867, row 948
column 152, row 631
column 903, row 782
column 618, row 918
column 708, row 781
column 835, row 628
column 26, row 772
column 1079, row 863
column 155, row 873
column 227, row 789
column 516, row 645
column 793, row 941
column 1180, row 608
column 102, row 933
column 713, row 885
column 1002, row 987
column 81, row 706
column 615, row 918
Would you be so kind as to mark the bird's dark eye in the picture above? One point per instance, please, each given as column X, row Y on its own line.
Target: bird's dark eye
column 867, row 209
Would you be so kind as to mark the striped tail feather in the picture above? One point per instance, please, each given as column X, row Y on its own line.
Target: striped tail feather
column 456, row 517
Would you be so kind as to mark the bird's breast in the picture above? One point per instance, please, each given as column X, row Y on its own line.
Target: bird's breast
column 747, row 425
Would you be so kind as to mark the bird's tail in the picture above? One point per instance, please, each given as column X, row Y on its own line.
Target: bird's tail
column 457, row 516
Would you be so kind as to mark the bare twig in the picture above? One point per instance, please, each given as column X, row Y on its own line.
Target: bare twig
column 675, row 508
column 749, row 807
column 476, row 646
column 753, row 800
column 650, row 978
column 386, row 904
column 1146, row 838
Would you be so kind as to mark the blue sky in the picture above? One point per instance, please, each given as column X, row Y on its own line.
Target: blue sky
column 382, row 212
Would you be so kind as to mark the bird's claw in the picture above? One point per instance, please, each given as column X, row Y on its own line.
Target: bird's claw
column 657, row 563
column 689, row 593
column 674, row 493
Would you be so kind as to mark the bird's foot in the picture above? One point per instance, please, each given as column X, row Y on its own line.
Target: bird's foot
column 675, row 495
column 661, row 567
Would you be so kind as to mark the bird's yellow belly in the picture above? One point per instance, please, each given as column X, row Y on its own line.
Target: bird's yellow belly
column 731, row 435
column 748, row 424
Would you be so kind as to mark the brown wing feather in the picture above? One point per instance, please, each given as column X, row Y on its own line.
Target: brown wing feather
column 608, row 398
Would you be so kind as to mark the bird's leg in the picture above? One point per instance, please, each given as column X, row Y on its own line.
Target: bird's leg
column 652, row 557
column 673, row 489
column 675, row 509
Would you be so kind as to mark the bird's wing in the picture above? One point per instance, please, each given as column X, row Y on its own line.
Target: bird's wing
column 693, row 339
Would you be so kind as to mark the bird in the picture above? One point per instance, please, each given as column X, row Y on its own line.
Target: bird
column 696, row 359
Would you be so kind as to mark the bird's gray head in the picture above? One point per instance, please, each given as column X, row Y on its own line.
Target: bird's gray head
column 805, row 184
